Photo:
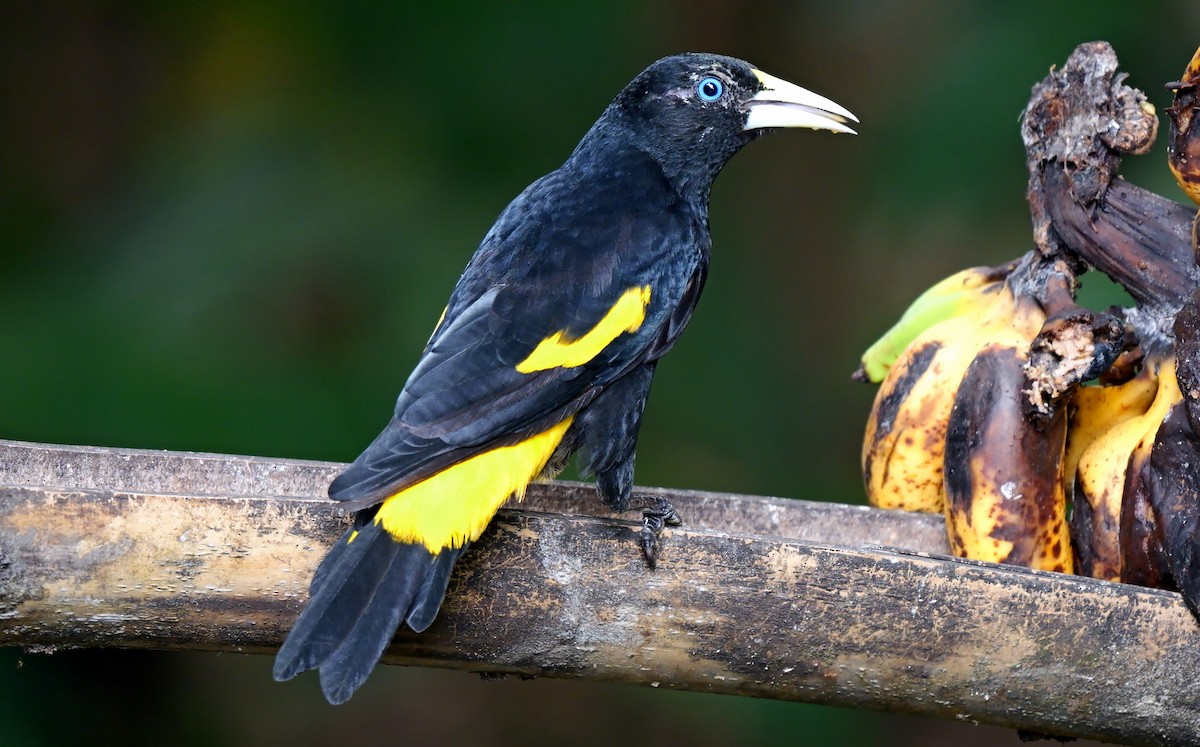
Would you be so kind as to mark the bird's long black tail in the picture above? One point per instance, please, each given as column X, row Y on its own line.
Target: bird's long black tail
column 363, row 589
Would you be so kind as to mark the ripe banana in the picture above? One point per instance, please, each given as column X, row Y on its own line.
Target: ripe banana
column 957, row 295
column 905, row 440
column 1183, row 143
column 1095, row 410
column 1102, row 523
column 1096, row 413
column 1004, row 495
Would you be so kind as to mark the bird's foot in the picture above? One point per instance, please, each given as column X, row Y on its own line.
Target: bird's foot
column 657, row 512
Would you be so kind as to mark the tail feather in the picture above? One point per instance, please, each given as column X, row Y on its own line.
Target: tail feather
column 433, row 590
column 331, row 560
column 344, row 589
column 351, row 662
column 359, row 595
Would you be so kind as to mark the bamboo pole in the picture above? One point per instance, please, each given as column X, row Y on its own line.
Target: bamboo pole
column 122, row 548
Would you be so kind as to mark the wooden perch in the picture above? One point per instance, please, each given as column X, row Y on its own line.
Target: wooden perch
column 753, row 596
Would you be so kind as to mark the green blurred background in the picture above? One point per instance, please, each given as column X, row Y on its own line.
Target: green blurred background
column 230, row 227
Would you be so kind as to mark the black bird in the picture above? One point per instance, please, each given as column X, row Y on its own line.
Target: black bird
column 547, row 347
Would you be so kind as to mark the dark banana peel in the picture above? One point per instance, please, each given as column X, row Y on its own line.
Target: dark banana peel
column 1139, row 239
column 1074, row 345
column 1166, row 553
column 1144, row 560
column 1168, row 481
column 1007, row 433
column 1160, row 521
column 1003, row 474
column 1187, row 350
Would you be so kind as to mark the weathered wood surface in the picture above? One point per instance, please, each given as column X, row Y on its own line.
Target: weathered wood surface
column 180, row 473
column 150, row 549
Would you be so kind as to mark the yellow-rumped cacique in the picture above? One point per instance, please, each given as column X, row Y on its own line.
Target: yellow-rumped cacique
column 546, row 348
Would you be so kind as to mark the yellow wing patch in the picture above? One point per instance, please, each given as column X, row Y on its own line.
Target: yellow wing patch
column 558, row 350
column 438, row 326
column 454, row 506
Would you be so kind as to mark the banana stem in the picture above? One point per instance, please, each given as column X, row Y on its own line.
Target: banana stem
column 1079, row 123
column 1135, row 237
column 1074, row 345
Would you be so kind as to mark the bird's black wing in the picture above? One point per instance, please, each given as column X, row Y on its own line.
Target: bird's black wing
column 558, row 263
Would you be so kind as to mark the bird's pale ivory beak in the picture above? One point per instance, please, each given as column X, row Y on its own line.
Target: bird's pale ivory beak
column 783, row 104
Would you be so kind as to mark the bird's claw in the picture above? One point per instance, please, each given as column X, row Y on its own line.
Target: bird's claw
column 657, row 512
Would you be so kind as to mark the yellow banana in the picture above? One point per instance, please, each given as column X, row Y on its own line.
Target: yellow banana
column 1095, row 410
column 905, row 440
column 1140, row 532
column 1100, row 478
column 957, row 295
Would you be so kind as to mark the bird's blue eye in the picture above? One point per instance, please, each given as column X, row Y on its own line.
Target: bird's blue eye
column 710, row 89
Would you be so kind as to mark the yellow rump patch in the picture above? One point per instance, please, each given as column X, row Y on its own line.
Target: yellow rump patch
column 452, row 507
column 558, row 350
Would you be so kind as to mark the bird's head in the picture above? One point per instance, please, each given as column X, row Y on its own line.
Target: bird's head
column 692, row 112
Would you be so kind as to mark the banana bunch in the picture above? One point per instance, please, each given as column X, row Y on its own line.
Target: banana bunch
column 983, row 416
column 972, row 415
column 1049, row 435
